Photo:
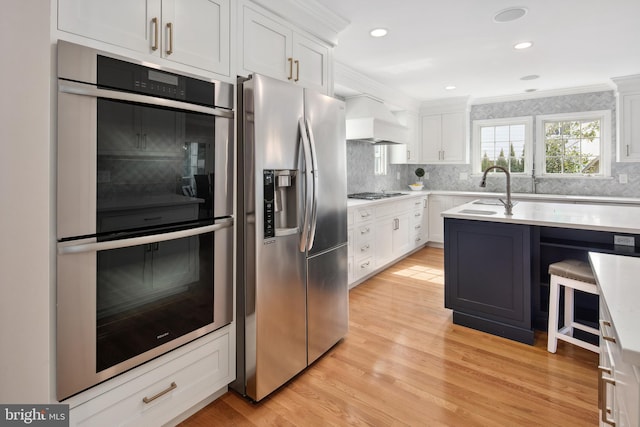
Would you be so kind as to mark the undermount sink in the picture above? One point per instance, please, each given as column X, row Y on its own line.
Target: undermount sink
column 492, row 202
column 478, row 212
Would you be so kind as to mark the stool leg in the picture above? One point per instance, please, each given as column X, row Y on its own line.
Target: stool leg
column 554, row 298
column 568, row 309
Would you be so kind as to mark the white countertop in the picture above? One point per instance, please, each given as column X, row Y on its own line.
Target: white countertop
column 598, row 217
column 617, row 278
column 515, row 196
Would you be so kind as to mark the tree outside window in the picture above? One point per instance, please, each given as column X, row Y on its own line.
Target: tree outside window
column 572, row 147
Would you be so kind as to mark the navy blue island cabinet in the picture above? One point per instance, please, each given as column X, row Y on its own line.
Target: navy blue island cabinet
column 488, row 277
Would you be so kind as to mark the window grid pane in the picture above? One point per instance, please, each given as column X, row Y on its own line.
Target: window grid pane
column 504, row 146
column 572, row 147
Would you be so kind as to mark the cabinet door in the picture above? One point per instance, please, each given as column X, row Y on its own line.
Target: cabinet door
column 488, row 272
column 311, row 67
column 266, row 46
column 629, row 140
column 431, row 138
column 383, row 239
column 199, row 35
column 401, row 240
column 453, row 138
column 125, row 23
column 437, row 204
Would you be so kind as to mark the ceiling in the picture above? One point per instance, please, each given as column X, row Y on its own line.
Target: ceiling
column 435, row 43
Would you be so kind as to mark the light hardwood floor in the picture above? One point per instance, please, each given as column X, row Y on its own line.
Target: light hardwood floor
column 405, row 363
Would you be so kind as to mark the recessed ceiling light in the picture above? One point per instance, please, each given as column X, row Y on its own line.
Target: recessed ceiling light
column 450, row 87
column 530, row 77
column 531, row 90
column 378, row 32
column 523, row 45
column 510, row 14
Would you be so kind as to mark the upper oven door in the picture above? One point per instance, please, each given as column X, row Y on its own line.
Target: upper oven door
column 134, row 162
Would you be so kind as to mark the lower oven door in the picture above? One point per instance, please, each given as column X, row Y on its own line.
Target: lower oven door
column 121, row 303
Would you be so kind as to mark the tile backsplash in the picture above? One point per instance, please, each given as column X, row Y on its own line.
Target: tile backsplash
column 360, row 157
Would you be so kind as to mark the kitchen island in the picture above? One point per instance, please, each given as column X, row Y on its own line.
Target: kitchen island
column 496, row 277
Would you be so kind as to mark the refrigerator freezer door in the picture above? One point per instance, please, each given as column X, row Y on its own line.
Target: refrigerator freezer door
column 273, row 304
column 327, row 300
column 326, row 117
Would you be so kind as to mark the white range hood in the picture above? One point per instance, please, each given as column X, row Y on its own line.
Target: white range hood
column 368, row 119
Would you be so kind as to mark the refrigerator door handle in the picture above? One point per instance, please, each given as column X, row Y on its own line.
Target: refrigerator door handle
column 308, row 194
column 314, row 172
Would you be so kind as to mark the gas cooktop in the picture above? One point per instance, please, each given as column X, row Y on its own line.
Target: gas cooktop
column 373, row 196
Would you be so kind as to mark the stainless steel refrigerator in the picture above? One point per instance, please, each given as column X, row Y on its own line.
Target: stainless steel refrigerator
column 292, row 303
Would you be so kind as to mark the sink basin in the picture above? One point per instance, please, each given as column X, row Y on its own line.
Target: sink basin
column 491, row 202
column 478, row 212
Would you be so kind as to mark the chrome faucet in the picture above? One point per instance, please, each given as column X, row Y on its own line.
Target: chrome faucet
column 508, row 206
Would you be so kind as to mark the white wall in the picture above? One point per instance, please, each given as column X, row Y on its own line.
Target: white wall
column 26, row 235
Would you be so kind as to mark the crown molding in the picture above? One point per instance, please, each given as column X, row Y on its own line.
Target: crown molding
column 357, row 82
column 544, row 94
column 308, row 15
column 627, row 83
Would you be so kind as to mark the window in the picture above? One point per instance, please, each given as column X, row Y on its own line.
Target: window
column 574, row 144
column 380, row 159
column 503, row 142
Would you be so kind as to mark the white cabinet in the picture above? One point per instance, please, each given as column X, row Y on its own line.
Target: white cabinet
column 361, row 244
column 272, row 47
column 419, row 222
column 444, row 138
column 383, row 232
column 437, row 205
column 628, row 117
column 392, row 234
column 171, row 385
column 411, row 152
column 190, row 32
column 444, row 131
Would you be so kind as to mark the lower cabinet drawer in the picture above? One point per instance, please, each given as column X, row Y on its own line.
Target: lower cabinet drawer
column 363, row 267
column 162, row 394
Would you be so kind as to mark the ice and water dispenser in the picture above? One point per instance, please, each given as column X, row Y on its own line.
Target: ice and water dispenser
column 280, row 203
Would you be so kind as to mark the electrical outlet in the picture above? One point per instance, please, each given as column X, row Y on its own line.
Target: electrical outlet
column 398, row 176
column 624, row 240
column 622, row 178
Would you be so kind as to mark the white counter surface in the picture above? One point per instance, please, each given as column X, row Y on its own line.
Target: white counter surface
column 617, row 278
column 516, row 196
column 598, row 217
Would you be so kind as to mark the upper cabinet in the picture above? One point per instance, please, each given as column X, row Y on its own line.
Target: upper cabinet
column 275, row 48
column 628, row 117
column 411, row 152
column 191, row 32
column 444, row 132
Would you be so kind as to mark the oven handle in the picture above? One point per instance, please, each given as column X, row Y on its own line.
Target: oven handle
column 77, row 88
column 90, row 245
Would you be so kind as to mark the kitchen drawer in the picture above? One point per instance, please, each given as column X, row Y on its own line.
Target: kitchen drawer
column 148, row 217
column 363, row 232
column 196, row 375
column 363, row 214
column 386, row 209
column 416, row 216
column 363, row 267
column 363, row 249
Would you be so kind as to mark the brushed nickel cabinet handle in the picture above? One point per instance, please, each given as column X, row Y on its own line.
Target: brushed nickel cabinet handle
column 627, row 150
column 154, row 22
column 290, row 68
column 365, row 230
column 173, row 386
column 604, row 410
column 365, row 264
column 297, row 71
column 170, row 32
column 365, row 248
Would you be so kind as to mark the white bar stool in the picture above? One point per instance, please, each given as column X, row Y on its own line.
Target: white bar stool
column 572, row 275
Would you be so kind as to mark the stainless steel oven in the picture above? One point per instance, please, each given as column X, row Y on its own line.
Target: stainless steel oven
column 145, row 213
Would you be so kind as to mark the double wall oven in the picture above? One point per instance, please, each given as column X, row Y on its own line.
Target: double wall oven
column 144, row 218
